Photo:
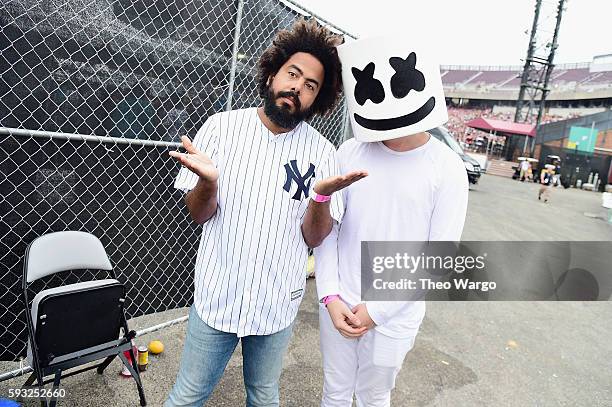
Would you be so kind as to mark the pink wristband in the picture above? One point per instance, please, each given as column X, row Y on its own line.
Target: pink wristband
column 321, row 198
column 330, row 298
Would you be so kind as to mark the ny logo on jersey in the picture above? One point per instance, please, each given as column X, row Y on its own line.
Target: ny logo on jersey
column 302, row 181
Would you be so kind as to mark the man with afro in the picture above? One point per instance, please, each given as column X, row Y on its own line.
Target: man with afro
column 259, row 181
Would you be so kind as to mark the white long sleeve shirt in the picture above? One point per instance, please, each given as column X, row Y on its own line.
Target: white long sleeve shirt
column 416, row 195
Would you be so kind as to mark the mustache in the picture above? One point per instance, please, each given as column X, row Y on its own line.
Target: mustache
column 291, row 95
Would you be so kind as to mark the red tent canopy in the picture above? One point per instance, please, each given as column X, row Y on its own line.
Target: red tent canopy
column 502, row 128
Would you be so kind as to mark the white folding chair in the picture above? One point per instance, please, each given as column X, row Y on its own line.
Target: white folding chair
column 74, row 324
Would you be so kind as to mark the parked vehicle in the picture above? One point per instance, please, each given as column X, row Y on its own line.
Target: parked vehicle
column 471, row 165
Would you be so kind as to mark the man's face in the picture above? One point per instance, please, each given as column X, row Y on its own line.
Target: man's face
column 293, row 90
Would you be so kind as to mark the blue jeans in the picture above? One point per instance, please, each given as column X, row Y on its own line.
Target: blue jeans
column 206, row 354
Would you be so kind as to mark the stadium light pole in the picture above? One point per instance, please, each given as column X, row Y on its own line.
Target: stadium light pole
column 518, row 115
column 535, row 78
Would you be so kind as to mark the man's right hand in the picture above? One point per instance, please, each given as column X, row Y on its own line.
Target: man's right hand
column 340, row 313
column 196, row 161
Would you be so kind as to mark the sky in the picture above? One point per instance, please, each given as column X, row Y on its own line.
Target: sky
column 476, row 32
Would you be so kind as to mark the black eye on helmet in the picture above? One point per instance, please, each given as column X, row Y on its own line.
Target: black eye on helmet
column 367, row 86
column 406, row 76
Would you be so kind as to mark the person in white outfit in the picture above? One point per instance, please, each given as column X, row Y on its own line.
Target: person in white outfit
column 416, row 190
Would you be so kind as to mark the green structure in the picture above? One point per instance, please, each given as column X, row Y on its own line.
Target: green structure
column 582, row 139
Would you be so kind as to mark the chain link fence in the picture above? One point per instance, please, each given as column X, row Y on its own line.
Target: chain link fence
column 93, row 95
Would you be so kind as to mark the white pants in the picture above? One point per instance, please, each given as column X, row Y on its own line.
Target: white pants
column 366, row 366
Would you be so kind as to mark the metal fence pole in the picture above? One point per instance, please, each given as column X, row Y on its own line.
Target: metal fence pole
column 346, row 126
column 232, row 78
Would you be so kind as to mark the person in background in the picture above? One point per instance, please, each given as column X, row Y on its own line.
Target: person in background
column 546, row 178
column 524, row 167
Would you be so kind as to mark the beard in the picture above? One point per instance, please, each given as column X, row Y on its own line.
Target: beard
column 282, row 115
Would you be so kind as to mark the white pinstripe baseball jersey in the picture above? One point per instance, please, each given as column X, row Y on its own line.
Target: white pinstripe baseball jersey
column 250, row 269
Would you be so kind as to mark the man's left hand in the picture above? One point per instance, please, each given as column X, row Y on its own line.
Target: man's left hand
column 361, row 312
column 333, row 184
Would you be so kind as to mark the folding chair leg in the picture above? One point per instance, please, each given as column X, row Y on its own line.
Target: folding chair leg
column 143, row 401
column 105, row 364
column 27, row 383
column 56, row 382
column 133, row 369
column 41, row 384
column 30, row 380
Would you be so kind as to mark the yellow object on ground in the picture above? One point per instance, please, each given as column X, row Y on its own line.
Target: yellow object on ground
column 156, row 347
column 310, row 266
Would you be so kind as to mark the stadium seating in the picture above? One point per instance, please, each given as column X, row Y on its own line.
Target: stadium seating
column 508, row 78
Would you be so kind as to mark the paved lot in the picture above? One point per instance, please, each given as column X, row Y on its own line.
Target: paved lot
column 467, row 354
column 504, row 209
